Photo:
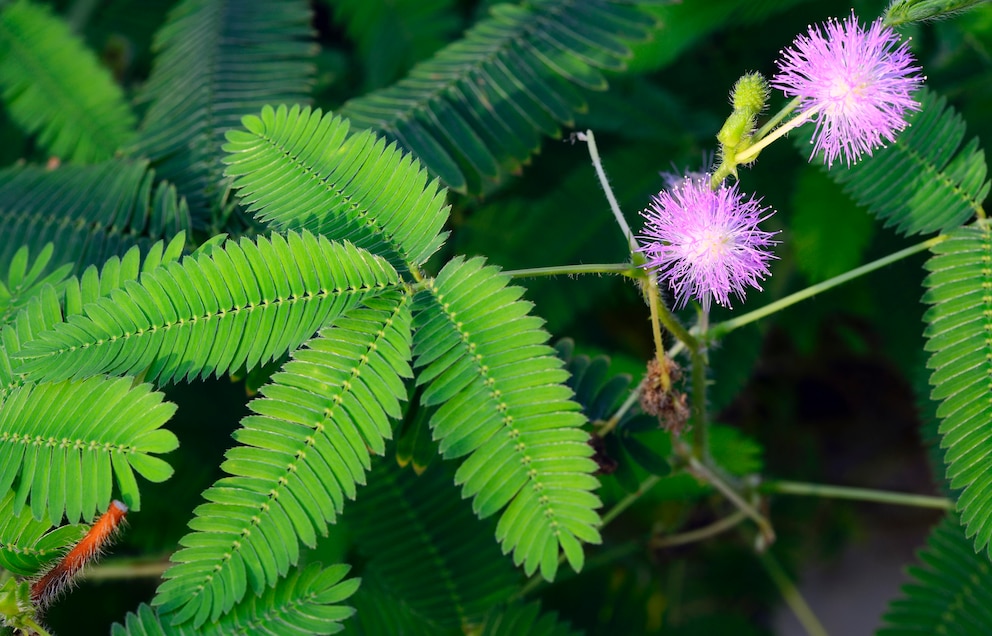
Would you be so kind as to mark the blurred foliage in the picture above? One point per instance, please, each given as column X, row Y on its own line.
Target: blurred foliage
column 830, row 390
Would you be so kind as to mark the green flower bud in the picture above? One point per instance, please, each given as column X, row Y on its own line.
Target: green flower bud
column 737, row 127
column 750, row 94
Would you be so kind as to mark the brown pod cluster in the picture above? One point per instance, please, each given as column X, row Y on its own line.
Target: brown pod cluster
column 660, row 398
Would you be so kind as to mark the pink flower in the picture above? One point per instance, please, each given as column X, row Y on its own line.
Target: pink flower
column 857, row 83
column 706, row 244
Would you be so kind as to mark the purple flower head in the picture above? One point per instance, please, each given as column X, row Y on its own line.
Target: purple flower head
column 706, row 244
column 859, row 83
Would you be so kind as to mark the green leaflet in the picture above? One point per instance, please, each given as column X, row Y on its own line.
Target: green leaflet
column 957, row 336
column 950, row 591
column 391, row 37
column 517, row 619
column 45, row 307
column 22, row 284
column 54, row 85
column 297, row 169
column 106, row 429
column 300, row 456
column 502, row 402
column 28, row 546
column 216, row 61
column 476, row 111
column 89, row 213
column 425, row 546
column 924, row 181
column 305, row 602
column 239, row 305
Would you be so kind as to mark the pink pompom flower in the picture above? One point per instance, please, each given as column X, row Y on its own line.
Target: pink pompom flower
column 856, row 83
column 706, row 244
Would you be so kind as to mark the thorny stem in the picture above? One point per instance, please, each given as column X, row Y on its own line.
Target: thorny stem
column 590, row 140
column 692, row 536
column 784, row 487
column 792, row 596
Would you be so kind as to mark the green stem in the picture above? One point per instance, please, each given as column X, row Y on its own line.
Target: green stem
column 751, row 153
column 774, row 121
column 590, row 140
column 792, row 597
column 115, row 569
column 700, row 534
column 611, row 423
column 722, row 329
column 700, row 424
column 625, row 269
column 856, row 494
column 629, row 500
column 703, row 472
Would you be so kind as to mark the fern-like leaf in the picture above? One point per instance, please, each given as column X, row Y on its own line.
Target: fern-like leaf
column 427, row 548
column 48, row 306
column 501, row 401
column 89, row 213
column 380, row 612
column 924, row 181
column 951, row 590
column 391, row 36
column 22, row 284
column 63, row 444
column 303, row 452
column 306, row 602
column 218, row 60
column 518, row 619
column 54, row 85
column 296, row 169
column 240, row 305
column 478, row 109
column 957, row 334
column 29, row 546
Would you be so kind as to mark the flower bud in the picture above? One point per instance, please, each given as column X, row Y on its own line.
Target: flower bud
column 737, row 127
column 750, row 94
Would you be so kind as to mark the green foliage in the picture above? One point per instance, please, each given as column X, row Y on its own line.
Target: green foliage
column 89, row 213
column 924, row 181
column 830, row 233
column 950, row 591
column 53, row 85
column 301, row 454
column 502, row 402
column 218, row 60
column 337, row 293
column 104, row 428
column 298, row 170
column 240, row 305
column 525, row 620
column 424, row 545
column 476, row 111
column 957, row 336
column 22, row 283
column 905, row 11
column 29, row 546
column 305, row 602
column 391, row 35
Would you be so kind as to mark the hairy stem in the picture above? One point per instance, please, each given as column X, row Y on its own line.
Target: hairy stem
column 624, row 269
column 784, row 487
column 590, row 140
column 722, row 329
